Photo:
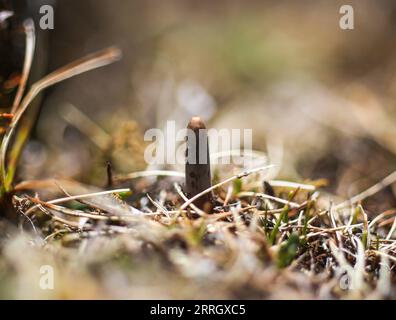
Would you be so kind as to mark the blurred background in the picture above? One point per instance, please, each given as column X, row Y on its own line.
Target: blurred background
column 320, row 100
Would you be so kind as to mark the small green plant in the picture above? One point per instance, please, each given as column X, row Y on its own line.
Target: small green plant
column 278, row 222
column 288, row 251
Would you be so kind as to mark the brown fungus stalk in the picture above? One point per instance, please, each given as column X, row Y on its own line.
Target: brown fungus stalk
column 198, row 177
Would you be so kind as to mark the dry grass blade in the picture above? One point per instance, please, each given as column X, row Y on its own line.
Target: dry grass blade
column 86, row 125
column 266, row 196
column 195, row 208
column 67, row 211
column 29, row 54
column 392, row 230
column 148, row 173
column 158, row 206
column 80, row 197
column 390, row 179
